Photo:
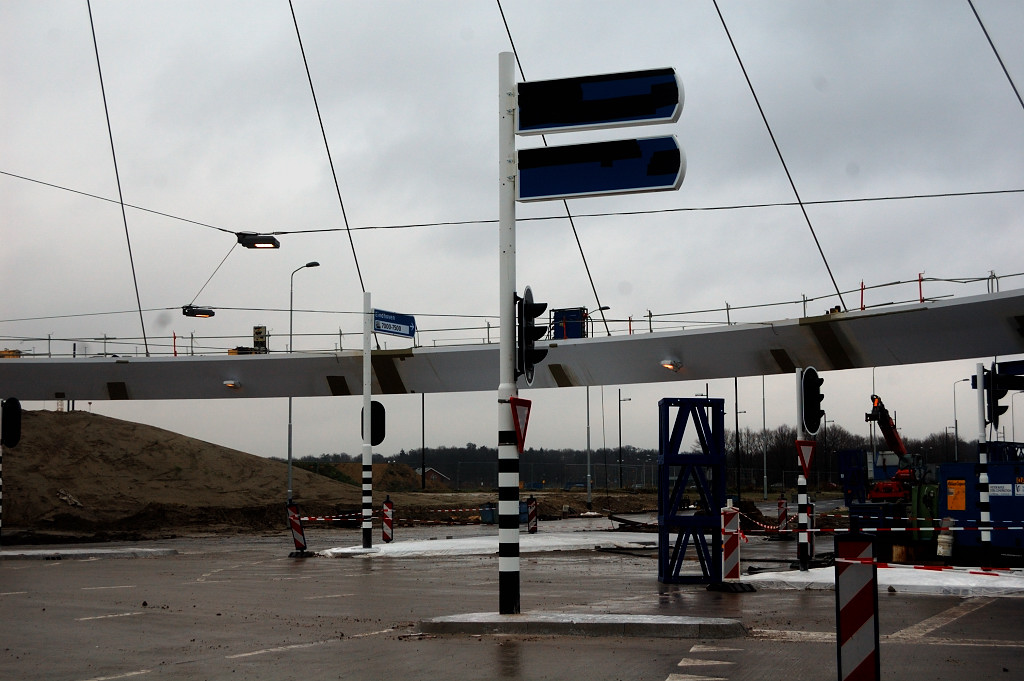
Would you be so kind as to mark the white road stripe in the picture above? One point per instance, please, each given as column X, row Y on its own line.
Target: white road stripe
column 107, row 617
column 120, row 676
column 100, row 588
column 925, row 627
column 688, row 661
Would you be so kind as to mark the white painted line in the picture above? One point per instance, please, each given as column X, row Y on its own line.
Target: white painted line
column 13, row 593
column 106, row 617
column 120, row 676
column 700, row 648
column 317, row 598
column 100, row 588
column 281, row 649
column 693, row 677
column 925, row 627
column 688, row 661
column 371, row 633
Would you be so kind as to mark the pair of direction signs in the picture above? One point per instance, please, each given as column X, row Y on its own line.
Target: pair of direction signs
column 600, row 168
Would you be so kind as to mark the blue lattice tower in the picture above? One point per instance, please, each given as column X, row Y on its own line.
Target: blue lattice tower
column 679, row 526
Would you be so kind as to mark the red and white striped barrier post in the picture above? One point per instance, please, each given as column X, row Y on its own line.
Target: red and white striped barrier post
column 298, row 535
column 531, row 515
column 857, row 609
column 387, row 515
column 783, row 514
column 730, row 544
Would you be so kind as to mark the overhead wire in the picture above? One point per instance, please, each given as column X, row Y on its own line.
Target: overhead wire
column 117, row 175
column 327, row 147
column 778, row 150
column 991, row 44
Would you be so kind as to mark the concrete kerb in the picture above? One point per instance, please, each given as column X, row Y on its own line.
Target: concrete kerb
column 584, row 624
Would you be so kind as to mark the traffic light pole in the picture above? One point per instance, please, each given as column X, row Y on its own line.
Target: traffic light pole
column 367, row 425
column 508, row 453
column 983, row 505
column 803, row 548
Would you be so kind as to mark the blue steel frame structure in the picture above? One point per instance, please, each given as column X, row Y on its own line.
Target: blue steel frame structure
column 705, row 470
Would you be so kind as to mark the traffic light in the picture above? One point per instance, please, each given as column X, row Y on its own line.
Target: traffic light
column 529, row 332
column 994, row 391
column 810, row 400
column 376, row 423
column 10, row 424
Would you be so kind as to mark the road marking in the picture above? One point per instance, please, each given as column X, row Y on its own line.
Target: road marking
column 99, row 588
column 700, row 648
column 693, row 677
column 688, row 661
column 120, row 676
column 281, row 649
column 13, row 593
column 371, row 633
column 317, row 598
column 925, row 627
column 106, row 617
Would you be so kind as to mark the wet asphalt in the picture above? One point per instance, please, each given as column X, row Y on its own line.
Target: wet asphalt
column 238, row 607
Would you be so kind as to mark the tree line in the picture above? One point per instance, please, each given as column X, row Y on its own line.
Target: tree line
column 763, row 456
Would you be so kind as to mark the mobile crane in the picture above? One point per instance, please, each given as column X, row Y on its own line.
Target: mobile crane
column 899, row 486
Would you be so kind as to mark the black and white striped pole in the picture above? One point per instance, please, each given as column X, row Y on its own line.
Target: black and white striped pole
column 985, row 523
column 367, row 425
column 508, row 454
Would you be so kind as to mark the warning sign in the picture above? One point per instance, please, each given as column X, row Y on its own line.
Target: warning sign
column 805, row 450
column 520, row 418
column 956, row 495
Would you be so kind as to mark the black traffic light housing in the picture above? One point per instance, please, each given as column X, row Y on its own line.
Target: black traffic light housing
column 10, row 424
column 376, row 423
column 528, row 333
column 811, row 396
column 994, row 391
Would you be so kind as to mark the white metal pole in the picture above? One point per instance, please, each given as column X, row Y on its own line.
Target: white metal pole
column 508, row 454
column 367, row 425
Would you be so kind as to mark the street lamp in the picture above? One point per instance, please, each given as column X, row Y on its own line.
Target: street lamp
column 193, row 311
column 621, row 400
column 291, row 310
column 956, row 428
column 254, row 240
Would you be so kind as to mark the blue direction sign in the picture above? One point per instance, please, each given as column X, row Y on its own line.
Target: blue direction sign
column 600, row 168
column 394, row 324
column 604, row 101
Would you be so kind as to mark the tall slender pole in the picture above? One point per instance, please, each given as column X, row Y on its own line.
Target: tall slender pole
column 508, row 453
column 983, row 500
column 367, row 425
column 590, row 485
column 764, row 439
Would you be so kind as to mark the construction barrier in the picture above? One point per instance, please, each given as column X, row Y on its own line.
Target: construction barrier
column 783, row 514
column 857, row 609
column 387, row 519
column 730, row 544
column 531, row 515
column 295, row 522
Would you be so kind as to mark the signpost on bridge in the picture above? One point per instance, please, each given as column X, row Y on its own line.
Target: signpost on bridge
column 634, row 165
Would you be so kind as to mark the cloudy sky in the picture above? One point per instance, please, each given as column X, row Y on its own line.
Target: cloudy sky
column 215, row 131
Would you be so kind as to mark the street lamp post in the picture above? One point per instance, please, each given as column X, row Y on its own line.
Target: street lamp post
column 621, row 400
column 956, row 428
column 291, row 310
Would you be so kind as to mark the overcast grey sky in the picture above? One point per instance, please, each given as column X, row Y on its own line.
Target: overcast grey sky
column 213, row 121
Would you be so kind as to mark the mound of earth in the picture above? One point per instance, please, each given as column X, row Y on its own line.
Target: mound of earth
column 82, row 476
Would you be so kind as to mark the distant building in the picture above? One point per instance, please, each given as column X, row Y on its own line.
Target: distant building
column 435, row 478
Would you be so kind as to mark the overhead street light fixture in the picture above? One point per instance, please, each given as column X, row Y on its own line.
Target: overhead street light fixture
column 672, row 364
column 254, row 240
column 193, row 311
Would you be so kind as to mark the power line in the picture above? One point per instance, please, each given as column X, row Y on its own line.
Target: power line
column 117, row 175
column 778, row 150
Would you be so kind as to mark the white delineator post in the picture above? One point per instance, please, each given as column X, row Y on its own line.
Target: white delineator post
column 508, row 454
column 367, row 425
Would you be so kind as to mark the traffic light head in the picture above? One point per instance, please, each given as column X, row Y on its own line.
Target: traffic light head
column 811, row 396
column 529, row 332
column 993, row 393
